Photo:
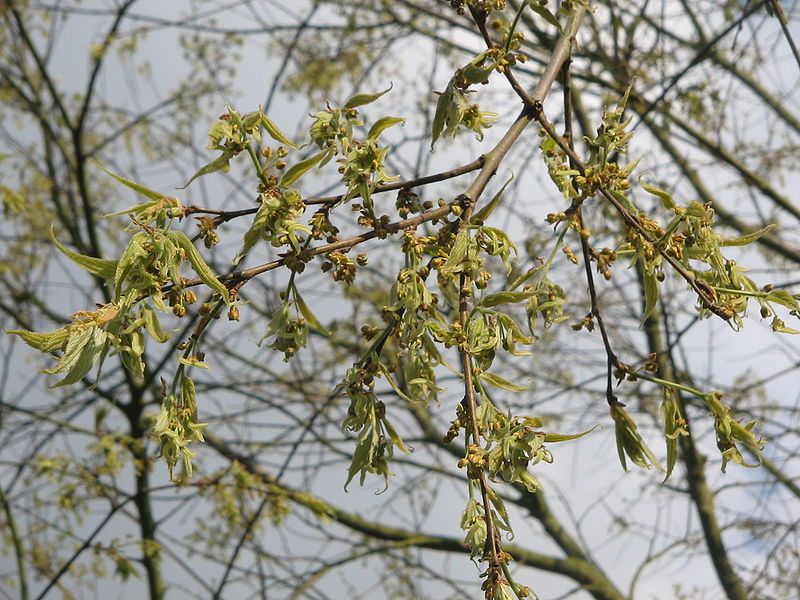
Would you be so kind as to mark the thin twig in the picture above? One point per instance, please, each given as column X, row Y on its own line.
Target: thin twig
column 611, row 358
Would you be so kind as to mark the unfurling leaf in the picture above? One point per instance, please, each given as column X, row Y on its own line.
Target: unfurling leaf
column 540, row 9
column 457, row 252
column 275, row 133
column 199, row 264
column 443, row 106
column 748, row 238
column 502, row 383
column 363, row 99
column 104, row 268
column 784, row 298
column 395, row 437
column 630, row 443
column 483, row 214
column 361, row 459
column 674, row 426
column 650, row 294
column 296, row 171
column 139, row 189
column 382, row 125
column 221, row 163
column 137, row 249
column 664, row 196
column 506, row 298
column 45, row 342
column 565, row 437
column 311, row 320
column 254, row 233
column 85, row 346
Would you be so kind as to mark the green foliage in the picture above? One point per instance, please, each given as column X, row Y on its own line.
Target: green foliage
column 630, row 443
column 366, row 416
column 465, row 311
column 177, row 426
column 453, row 108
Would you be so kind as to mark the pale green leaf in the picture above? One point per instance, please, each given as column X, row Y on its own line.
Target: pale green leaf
column 139, row 189
column 443, row 105
column 311, row 320
column 501, row 382
column 192, row 361
column 382, row 125
column 361, row 458
column 153, row 326
column 86, row 358
column 221, row 163
column 783, row 297
column 483, row 214
column 297, row 170
column 779, row 326
column 199, row 264
column 254, row 233
column 674, row 426
column 565, row 437
column 748, row 238
column 500, row 507
column 136, row 250
column 543, row 12
column 363, row 99
column 104, row 268
column 188, row 393
column 275, row 133
column 45, row 342
column 506, row 298
column 666, row 198
column 458, row 251
column 395, row 437
column 79, row 338
column 650, row 294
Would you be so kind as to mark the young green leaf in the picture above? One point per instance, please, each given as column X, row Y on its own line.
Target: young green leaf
column 363, row 99
column 666, row 198
column 395, row 437
column 502, row 383
column 311, row 320
column 45, row 342
column 778, row 326
column 102, row 267
column 543, row 12
column 192, row 361
column 506, row 298
column 136, row 250
column 749, row 238
column 199, row 264
column 139, row 189
column 443, row 107
column 457, row 252
column 153, row 326
column 784, row 298
column 275, row 133
column 79, row 338
column 365, row 448
column 254, row 233
column 79, row 359
column 297, row 170
column 500, row 507
column 674, row 426
column 650, row 295
column 565, row 437
column 483, row 214
column 630, row 442
column 382, row 125
column 221, row 163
